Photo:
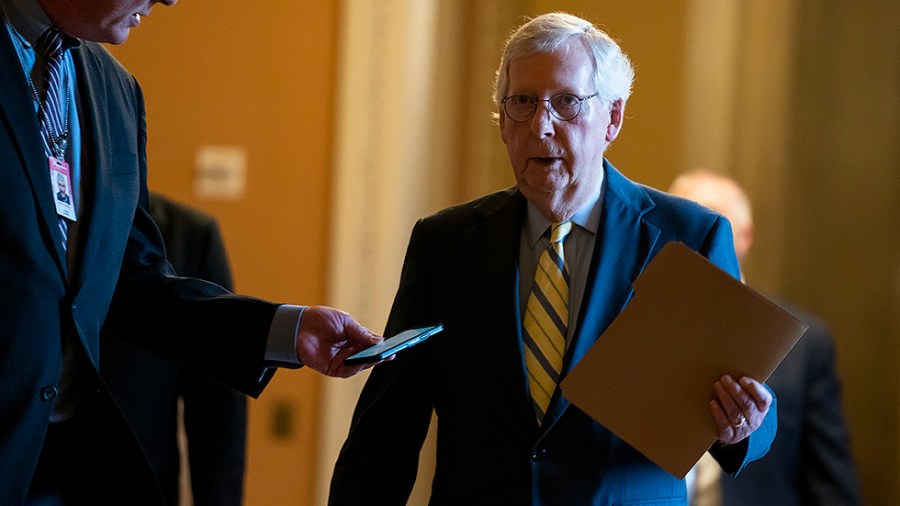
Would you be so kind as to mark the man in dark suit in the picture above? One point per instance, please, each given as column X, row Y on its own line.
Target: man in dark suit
column 505, row 434
column 149, row 389
column 63, row 439
column 810, row 461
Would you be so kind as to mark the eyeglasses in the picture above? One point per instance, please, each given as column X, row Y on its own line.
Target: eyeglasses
column 564, row 106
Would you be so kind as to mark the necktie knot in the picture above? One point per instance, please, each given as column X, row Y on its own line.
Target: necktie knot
column 54, row 95
column 559, row 231
column 50, row 44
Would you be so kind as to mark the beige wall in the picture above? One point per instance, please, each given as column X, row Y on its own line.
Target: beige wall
column 841, row 214
column 809, row 124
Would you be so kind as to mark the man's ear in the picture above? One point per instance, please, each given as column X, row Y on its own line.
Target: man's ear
column 616, row 116
column 502, row 119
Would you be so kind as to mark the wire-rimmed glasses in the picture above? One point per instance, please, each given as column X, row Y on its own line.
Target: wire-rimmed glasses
column 564, row 106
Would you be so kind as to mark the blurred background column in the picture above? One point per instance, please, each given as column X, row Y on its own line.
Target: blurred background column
column 414, row 135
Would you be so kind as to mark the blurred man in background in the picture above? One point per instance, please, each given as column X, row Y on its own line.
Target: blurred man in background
column 809, row 462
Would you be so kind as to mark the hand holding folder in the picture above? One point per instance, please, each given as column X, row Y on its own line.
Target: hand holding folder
column 648, row 378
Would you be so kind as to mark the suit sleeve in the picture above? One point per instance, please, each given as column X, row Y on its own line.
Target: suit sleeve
column 185, row 319
column 379, row 459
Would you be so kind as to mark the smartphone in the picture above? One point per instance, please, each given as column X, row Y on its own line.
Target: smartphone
column 392, row 345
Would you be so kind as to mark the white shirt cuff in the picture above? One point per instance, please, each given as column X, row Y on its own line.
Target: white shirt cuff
column 281, row 346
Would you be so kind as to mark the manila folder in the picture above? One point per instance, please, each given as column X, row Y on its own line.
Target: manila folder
column 649, row 377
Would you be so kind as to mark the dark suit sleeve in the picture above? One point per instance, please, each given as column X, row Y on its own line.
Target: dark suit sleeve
column 181, row 319
column 184, row 319
column 379, row 460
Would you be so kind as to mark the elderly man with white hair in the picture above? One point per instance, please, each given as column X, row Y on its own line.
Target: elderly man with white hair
column 525, row 280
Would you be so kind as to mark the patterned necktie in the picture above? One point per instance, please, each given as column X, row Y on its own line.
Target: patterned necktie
column 546, row 320
column 54, row 104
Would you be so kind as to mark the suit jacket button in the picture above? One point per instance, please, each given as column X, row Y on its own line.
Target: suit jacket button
column 539, row 454
column 48, row 393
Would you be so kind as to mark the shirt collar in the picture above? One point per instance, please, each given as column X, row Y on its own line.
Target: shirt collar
column 28, row 19
column 588, row 217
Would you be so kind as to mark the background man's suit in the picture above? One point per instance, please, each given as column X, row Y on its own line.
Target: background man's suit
column 461, row 270
column 810, row 462
column 148, row 388
column 118, row 266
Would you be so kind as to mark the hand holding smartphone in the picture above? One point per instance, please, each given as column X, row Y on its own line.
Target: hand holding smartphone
column 393, row 344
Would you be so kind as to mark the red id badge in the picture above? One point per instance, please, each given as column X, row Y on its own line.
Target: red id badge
column 61, row 182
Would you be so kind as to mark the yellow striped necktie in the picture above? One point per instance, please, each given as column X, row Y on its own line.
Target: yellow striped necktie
column 546, row 320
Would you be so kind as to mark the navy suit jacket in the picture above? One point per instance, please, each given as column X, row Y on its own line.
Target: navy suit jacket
column 119, row 276
column 461, row 270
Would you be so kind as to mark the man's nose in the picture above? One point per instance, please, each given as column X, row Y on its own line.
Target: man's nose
column 542, row 121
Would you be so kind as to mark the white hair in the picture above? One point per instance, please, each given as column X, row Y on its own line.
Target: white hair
column 613, row 73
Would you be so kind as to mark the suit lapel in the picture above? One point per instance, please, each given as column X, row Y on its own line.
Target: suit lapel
column 96, row 211
column 621, row 250
column 492, row 249
column 17, row 105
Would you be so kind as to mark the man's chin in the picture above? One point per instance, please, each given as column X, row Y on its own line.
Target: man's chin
column 540, row 195
column 118, row 37
column 544, row 181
